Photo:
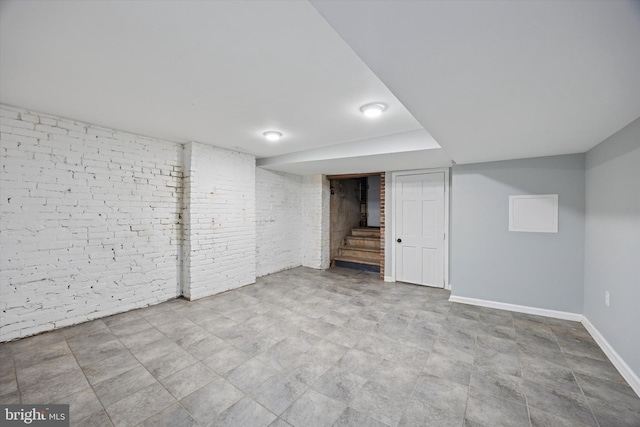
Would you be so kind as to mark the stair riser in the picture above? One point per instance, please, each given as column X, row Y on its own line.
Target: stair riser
column 357, row 260
column 358, row 266
column 360, row 254
column 366, row 233
column 363, row 243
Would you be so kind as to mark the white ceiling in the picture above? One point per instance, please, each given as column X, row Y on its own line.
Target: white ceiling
column 402, row 151
column 217, row 72
column 490, row 80
column 494, row 80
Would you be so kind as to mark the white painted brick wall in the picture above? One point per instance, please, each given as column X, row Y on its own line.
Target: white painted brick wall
column 90, row 221
column 278, row 221
column 220, row 228
column 315, row 222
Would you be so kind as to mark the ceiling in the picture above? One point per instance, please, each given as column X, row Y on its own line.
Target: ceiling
column 496, row 80
column 487, row 80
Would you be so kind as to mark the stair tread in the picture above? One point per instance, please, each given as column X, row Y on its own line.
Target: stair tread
column 365, row 234
column 356, row 260
column 358, row 248
column 372, row 239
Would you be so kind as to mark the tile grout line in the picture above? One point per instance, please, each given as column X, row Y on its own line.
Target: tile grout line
column 475, row 351
column 117, row 338
column 526, row 398
column 246, row 394
column 104, row 409
column 156, row 379
column 410, row 396
column 15, row 374
column 573, row 374
column 426, row 361
column 317, row 306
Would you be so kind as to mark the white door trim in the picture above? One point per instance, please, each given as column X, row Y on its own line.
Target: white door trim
column 394, row 178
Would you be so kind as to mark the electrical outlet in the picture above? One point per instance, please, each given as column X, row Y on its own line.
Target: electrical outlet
column 606, row 298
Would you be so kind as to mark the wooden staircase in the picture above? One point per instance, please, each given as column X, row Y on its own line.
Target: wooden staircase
column 361, row 250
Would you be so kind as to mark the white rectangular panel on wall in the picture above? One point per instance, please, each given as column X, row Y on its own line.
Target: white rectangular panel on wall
column 534, row 213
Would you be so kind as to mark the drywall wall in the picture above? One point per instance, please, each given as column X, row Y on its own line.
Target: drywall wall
column 612, row 242
column 488, row 262
column 90, row 222
column 219, row 220
column 278, row 221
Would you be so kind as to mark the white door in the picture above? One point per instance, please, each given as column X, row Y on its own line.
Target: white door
column 419, row 228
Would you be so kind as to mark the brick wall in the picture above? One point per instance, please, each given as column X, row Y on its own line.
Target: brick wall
column 97, row 221
column 90, row 222
column 278, row 221
column 220, row 229
column 315, row 222
column 382, row 224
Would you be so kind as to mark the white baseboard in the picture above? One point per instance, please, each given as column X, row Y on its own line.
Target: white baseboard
column 622, row 367
column 518, row 308
column 388, row 279
column 448, row 286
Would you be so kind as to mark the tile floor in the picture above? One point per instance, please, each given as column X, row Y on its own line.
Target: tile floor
column 310, row 348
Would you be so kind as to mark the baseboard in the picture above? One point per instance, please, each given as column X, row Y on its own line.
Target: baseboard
column 447, row 286
column 388, row 279
column 564, row 315
column 622, row 367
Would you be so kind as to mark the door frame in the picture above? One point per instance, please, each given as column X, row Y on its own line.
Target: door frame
column 390, row 219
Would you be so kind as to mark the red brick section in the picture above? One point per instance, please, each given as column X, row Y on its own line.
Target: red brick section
column 382, row 226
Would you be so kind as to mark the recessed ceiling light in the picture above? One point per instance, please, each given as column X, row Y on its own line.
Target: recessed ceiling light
column 272, row 135
column 374, row 109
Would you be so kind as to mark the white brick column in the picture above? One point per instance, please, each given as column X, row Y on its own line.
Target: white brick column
column 219, row 247
column 315, row 222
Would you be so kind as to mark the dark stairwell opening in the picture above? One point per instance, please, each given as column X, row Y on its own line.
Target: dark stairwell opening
column 355, row 212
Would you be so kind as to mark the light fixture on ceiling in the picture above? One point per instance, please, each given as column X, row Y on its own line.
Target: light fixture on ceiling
column 272, row 135
column 373, row 110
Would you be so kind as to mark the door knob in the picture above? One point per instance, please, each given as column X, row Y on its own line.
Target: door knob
column 399, row 240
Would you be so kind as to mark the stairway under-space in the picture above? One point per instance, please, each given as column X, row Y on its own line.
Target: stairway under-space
column 360, row 250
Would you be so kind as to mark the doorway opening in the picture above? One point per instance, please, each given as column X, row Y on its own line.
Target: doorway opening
column 357, row 221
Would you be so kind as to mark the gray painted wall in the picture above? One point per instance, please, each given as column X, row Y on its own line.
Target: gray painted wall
column 612, row 241
column 542, row 270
